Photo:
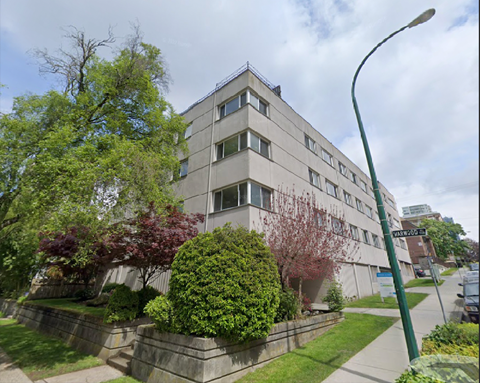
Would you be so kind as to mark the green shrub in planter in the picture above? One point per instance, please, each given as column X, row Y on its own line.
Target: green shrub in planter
column 109, row 287
column 225, row 284
column 288, row 307
column 334, row 297
column 122, row 306
column 85, row 294
column 145, row 295
column 454, row 333
column 159, row 310
column 410, row 377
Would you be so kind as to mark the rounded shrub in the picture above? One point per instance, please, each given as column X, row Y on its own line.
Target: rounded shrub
column 225, row 284
column 159, row 310
column 85, row 294
column 109, row 287
column 334, row 297
column 145, row 295
column 122, row 305
column 288, row 307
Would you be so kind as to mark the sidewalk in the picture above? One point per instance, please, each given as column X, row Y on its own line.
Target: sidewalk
column 386, row 358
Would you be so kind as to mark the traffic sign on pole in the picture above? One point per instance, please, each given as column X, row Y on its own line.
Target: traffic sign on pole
column 408, row 233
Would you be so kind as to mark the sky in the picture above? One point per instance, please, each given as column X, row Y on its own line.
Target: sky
column 418, row 94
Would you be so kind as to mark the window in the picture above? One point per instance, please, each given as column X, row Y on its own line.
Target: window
column 233, row 105
column 319, row 218
column 366, row 237
column 372, row 194
column 390, row 202
column 331, row 188
column 337, row 226
column 377, row 218
column 314, row 178
column 390, row 222
column 363, row 186
column 242, row 141
column 354, row 231
column 343, row 168
column 241, row 194
column 369, row 211
column 183, row 168
column 309, row 143
column 396, row 242
column 403, row 245
column 376, row 241
column 384, row 244
column 188, row 132
column 347, row 197
column 327, row 157
column 258, row 104
column 396, row 223
column 359, row 205
column 354, row 178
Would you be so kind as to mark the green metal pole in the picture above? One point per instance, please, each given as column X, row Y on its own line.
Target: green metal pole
column 397, row 277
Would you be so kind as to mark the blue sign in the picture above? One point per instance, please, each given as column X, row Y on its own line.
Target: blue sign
column 382, row 275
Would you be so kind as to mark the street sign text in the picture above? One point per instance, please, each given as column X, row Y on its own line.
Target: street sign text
column 408, row 233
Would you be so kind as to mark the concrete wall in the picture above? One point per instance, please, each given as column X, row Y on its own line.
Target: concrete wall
column 163, row 357
column 83, row 332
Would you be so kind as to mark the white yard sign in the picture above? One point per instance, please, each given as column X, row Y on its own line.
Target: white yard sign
column 386, row 286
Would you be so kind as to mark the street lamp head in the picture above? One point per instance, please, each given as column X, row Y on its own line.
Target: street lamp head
column 423, row 18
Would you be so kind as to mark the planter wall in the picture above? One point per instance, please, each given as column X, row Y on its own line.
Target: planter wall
column 164, row 357
column 85, row 333
column 44, row 289
column 8, row 306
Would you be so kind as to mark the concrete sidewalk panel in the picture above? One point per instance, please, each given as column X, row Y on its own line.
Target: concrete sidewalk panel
column 92, row 375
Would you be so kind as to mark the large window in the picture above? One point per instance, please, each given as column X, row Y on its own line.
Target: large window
column 241, row 100
column 355, row 234
column 309, row 143
column 348, row 198
column 314, row 178
column 183, row 168
column 354, row 178
column 376, row 241
column 188, row 131
column 343, row 168
column 242, row 194
column 242, row 141
column 331, row 188
column 337, row 226
column 327, row 157
column 359, row 205
column 319, row 218
column 369, row 211
column 363, row 186
column 366, row 237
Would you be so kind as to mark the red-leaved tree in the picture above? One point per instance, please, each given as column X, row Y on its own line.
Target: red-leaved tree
column 77, row 254
column 149, row 242
column 307, row 241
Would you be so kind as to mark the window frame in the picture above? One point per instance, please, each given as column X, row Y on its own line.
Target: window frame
column 311, row 174
column 353, row 178
column 182, row 167
column 349, row 202
column 368, row 211
column 355, row 233
column 342, row 169
column 249, row 135
column 310, row 142
column 363, row 186
column 335, row 188
column 376, row 241
column 366, row 237
column 359, row 205
column 329, row 159
column 247, row 197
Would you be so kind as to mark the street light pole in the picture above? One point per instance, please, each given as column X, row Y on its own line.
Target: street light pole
column 397, row 277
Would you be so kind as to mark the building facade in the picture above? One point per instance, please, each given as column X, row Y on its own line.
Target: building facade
column 246, row 142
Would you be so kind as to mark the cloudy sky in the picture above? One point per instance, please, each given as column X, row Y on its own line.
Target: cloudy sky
column 418, row 94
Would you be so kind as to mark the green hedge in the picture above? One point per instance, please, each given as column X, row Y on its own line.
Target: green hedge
column 225, row 284
column 122, row 305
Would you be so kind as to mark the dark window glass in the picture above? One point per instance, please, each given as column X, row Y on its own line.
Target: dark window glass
column 222, row 111
column 243, row 141
column 243, row 99
column 230, row 197
column 262, row 107
column 217, row 205
column 243, row 193
column 264, row 148
column 219, row 151
column 231, row 106
column 230, row 146
column 184, row 168
column 256, row 197
column 266, row 198
column 254, row 142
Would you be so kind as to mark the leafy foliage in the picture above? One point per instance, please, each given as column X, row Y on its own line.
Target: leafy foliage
column 84, row 294
column 454, row 333
column 410, row 377
column 101, row 300
column 109, row 287
column 160, row 311
column 446, row 237
column 307, row 241
column 150, row 241
column 334, row 297
column 145, row 295
column 122, row 306
column 288, row 307
column 225, row 284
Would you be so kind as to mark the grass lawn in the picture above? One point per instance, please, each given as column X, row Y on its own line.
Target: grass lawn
column 2, row 315
column 319, row 358
column 70, row 304
column 422, row 282
column 124, row 379
column 450, row 271
column 375, row 302
column 41, row 356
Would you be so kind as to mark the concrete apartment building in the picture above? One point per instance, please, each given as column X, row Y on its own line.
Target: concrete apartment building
column 245, row 142
column 416, row 213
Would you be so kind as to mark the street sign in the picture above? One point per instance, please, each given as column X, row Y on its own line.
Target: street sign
column 408, row 233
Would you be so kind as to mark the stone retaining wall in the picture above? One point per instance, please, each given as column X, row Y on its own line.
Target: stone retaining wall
column 83, row 332
column 8, row 306
column 163, row 357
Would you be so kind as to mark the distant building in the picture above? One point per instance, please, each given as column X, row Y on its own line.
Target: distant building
column 448, row 219
column 416, row 213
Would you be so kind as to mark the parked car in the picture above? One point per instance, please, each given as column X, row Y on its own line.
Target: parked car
column 419, row 272
column 470, row 298
column 474, row 266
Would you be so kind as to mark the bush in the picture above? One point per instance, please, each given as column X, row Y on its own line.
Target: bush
column 101, row 300
column 159, row 310
column 288, row 307
column 145, row 295
column 123, row 305
column 462, row 334
column 410, row 377
column 334, row 297
column 85, row 294
column 109, row 287
column 22, row 299
column 225, row 284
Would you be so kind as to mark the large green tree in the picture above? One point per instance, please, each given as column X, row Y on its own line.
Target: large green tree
column 446, row 237
column 104, row 144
